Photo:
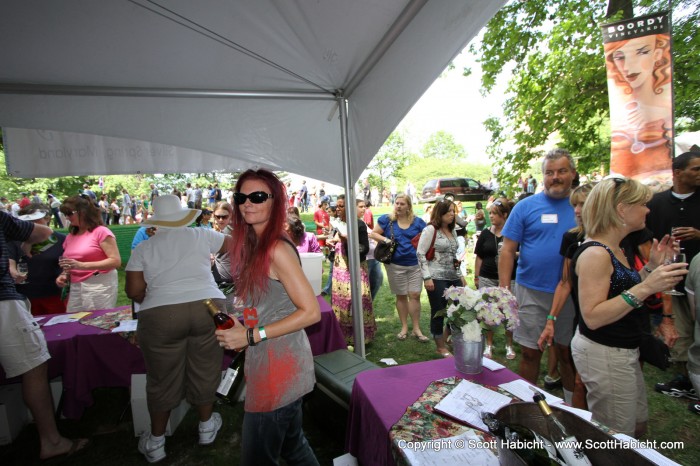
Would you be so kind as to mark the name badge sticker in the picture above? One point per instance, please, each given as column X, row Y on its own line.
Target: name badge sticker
column 550, row 218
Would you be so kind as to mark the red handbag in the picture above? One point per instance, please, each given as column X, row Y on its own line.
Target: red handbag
column 430, row 255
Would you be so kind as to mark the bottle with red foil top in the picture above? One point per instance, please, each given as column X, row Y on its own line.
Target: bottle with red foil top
column 222, row 320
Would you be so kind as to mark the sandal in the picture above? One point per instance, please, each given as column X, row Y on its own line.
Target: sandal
column 422, row 338
column 78, row 446
column 401, row 336
column 444, row 353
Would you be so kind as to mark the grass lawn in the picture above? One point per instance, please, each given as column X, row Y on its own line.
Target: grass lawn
column 108, row 421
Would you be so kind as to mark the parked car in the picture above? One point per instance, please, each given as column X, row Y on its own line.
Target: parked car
column 454, row 189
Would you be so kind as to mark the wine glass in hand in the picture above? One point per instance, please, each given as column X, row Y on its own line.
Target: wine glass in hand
column 676, row 258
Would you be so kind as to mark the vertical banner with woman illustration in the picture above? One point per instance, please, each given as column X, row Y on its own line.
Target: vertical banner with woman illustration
column 638, row 63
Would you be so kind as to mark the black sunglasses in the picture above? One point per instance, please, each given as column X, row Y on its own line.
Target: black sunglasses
column 223, row 217
column 258, row 197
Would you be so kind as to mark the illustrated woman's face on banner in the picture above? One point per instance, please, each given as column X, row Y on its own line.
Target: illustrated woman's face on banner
column 635, row 60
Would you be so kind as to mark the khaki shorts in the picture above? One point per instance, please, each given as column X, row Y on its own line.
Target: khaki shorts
column 22, row 343
column 97, row 292
column 404, row 279
column 616, row 396
column 685, row 326
column 183, row 357
column 534, row 307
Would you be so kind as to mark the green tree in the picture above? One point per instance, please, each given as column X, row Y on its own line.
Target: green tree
column 389, row 161
column 442, row 146
column 558, row 91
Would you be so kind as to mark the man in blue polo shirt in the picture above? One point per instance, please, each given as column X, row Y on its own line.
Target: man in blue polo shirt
column 536, row 225
column 23, row 350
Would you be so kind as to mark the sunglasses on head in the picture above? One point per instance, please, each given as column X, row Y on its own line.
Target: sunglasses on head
column 257, row 197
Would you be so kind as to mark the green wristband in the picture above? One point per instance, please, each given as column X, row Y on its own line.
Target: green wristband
column 551, row 317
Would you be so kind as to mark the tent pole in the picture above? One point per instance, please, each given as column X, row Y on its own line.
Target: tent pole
column 353, row 240
column 113, row 91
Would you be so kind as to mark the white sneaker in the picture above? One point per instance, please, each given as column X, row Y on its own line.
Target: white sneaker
column 209, row 429
column 153, row 451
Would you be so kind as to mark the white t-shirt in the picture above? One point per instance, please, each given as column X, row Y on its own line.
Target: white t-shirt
column 176, row 266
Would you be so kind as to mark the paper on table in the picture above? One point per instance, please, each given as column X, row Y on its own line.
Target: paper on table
column 67, row 318
column 582, row 413
column 648, row 453
column 457, row 450
column 468, row 400
column 492, row 365
column 126, row 326
column 521, row 389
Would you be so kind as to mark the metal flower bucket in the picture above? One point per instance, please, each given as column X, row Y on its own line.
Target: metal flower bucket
column 467, row 354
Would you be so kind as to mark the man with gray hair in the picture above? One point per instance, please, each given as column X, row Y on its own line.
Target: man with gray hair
column 536, row 226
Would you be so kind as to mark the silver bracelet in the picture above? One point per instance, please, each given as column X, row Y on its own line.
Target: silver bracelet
column 632, row 299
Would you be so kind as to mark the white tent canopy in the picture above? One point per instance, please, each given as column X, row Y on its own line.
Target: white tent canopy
column 308, row 86
column 257, row 81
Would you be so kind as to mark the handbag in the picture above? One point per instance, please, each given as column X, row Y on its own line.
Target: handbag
column 384, row 251
column 430, row 255
column 654, row 351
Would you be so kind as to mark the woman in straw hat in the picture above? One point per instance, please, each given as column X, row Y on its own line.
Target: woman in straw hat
column 169, row 276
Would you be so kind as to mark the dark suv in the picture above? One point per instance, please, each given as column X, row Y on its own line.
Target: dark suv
column 459, row 189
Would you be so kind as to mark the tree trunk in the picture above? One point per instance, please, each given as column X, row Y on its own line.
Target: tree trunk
column 626, row 6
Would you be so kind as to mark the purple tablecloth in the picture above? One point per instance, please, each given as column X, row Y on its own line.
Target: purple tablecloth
column 88, row 357
column 380, row 397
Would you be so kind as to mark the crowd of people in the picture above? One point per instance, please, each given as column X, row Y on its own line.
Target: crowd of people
column 589, row 265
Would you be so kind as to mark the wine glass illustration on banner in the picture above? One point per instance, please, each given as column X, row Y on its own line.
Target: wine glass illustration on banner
column 677, row 258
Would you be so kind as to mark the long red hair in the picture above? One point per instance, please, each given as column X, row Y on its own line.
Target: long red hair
column 251, row 255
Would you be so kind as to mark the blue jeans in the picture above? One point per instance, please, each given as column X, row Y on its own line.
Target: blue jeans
column 376, row 276
column 438, row 303
column 269, row 436
column 329, row 284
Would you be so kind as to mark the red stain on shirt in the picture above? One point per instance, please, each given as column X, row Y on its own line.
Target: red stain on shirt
column 267, row 385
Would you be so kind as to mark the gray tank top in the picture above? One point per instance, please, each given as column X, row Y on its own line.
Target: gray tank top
column 280, row 370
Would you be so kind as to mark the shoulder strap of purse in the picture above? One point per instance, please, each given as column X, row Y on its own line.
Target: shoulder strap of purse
column 432, row 243
column 391, row 227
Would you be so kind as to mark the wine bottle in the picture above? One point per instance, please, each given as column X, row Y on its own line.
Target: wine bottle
column 232, row 381
column 222, row 320
column 532, row 448
column 566, row 443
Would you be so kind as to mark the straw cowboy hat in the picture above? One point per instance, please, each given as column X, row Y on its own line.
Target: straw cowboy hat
column 168, row 212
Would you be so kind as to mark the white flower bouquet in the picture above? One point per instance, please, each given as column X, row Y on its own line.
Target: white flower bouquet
column 472, row 311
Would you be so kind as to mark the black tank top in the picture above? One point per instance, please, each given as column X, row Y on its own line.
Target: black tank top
column 623, row 333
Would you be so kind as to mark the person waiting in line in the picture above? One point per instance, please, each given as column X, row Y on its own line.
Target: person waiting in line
column 609, row 293
column 24, row 353
column 374, row 267
column 404, row 274
column 487, row 251
column 90, row 258
column 575, row 393
column 175, row 331
column 279, row 365
column 341, row 299
column 443, row 270
column 39, row 284
column 142, row 234
column 203, row 219
column 221, row 264
column 303, row 240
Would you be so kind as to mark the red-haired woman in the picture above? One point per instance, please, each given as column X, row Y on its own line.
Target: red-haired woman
column 280, row 303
